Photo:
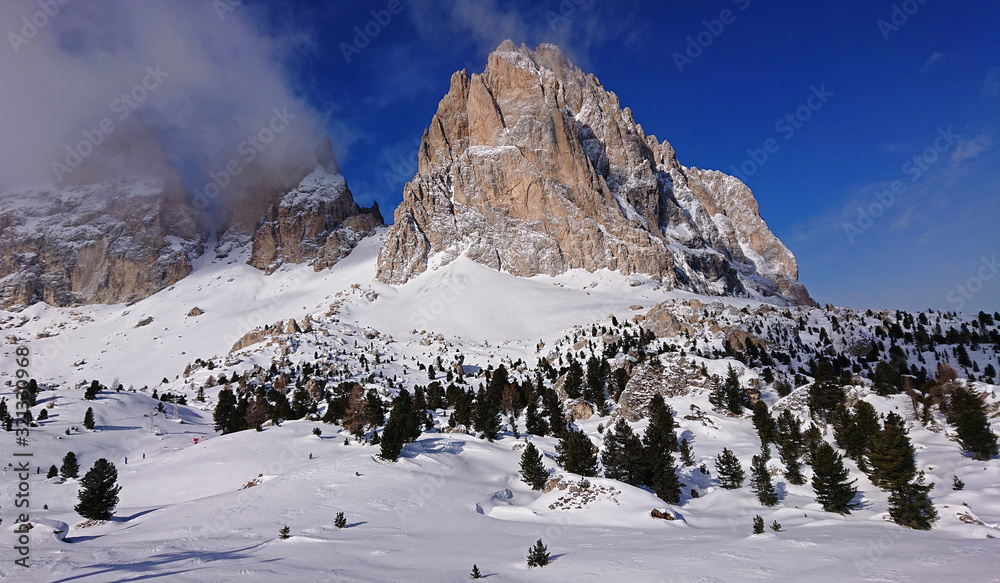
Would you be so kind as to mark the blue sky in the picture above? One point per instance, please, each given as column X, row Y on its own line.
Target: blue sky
column 891, row 90
column 868, row 130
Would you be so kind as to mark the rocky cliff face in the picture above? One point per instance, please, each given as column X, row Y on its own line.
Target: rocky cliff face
column 114, row 241
column 300, row 211
column 317, row 222
column 532, row 167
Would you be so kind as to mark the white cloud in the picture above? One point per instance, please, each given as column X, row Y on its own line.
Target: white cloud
column 223, row 79
column 968, row 148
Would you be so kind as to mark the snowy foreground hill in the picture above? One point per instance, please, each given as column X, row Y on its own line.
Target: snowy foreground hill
column 211, row 510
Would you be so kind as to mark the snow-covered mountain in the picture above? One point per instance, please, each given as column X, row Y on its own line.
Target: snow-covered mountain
column 552, row 271
column 532, row 167
column 213, row 510
column 121, row 240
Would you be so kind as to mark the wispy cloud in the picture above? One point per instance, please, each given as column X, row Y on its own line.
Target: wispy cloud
column 934, row 61
column 574, row 25
column 991, row 84
column 971, row 147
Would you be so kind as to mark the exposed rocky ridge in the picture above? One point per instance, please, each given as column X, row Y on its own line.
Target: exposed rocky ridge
column 532, row 167
column 115, row 241
column 317, row 222
column 299, row 212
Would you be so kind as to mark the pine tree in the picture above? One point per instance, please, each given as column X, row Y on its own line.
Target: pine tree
column 99, row 493
column 622, row 457
column 402, row 427
column 659, row 471
column 776, row 526
column 53, row 471
column 761, row 478
column 733, row 392
column 956, row 483
column 687, row 457
column 575, row 453
column 574, row 380
column 533, row 471
column 830, row 480
column 554, row 412
column 70, row 467
column 910, row 505
column 533, row 420
column 758, row 524
column 283, row 532
column 225, row 409
column 487, row 413
column 340, row 521
column 967, row 412
column 824, row 396
column 791, row 446
column 763, row 422
column 891, row 456
column 853, row 431
column 88, row 418
column 93, row 390
column 475, row 574
column 538, row 555
column 731, row 475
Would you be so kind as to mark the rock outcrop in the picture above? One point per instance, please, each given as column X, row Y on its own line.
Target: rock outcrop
column 298, row 212
column 114, row 241
column 317, row 222
column 532, row 167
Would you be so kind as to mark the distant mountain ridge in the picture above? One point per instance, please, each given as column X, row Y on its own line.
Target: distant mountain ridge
column 532, row 167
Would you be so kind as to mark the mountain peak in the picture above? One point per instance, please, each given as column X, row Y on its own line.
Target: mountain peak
column 532, row 167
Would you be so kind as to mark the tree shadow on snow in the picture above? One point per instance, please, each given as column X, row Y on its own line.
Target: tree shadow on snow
column 432, row 445
column 353, row 524
column 159, row 566
column 781, row 490
column 136, row 515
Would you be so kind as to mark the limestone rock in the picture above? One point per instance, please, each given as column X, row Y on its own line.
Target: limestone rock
column 317, row 222
column 532, row 167
column 109, row 242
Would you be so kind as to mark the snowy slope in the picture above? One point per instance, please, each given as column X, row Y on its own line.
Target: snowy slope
column 452, row 500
